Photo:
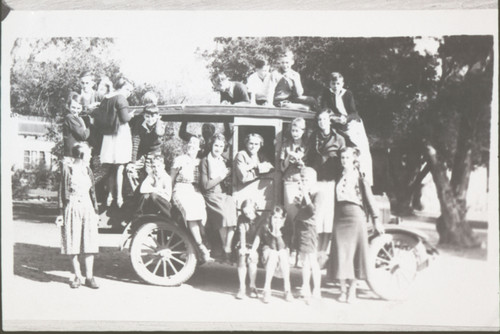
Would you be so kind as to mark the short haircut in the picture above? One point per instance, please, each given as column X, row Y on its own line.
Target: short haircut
column 336, row 76
column 150, row 109
column 309, row 171
column 299, row 122
column 200, row 138
column 215, row 137
column 286, row 53
column 87, row 74
column 79, row 149
column 324, row 110
column 277, row 209
column 122, row 82
column 105, row 81
column 158, row 159
column 74, row 97
column 249, row 203
column 260, row 62
column 207, row 130
column 256, row 135
column 150, row 98
column 219, row 77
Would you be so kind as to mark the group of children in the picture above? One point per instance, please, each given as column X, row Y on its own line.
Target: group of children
column 280, row 88
column 136, row 149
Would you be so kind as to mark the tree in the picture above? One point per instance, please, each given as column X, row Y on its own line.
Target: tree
column 44, row 71
column 464, row 94
column 427, row 100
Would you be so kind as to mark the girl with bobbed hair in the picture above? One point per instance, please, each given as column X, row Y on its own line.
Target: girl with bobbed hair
column 249, row 164
column 116, row 148
column 186, row 194
column 78, row 219
column 354, row 206
column 221, row 208
column 323, row 155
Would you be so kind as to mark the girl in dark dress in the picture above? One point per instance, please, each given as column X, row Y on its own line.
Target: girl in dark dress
column 350, row 238
column 323, row 156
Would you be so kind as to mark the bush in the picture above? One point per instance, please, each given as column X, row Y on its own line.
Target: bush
column 20, row 185
column 39, row 177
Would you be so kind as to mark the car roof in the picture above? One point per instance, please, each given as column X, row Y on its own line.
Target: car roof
column 226, row 112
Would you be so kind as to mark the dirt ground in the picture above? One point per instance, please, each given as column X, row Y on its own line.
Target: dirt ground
column 459, row 290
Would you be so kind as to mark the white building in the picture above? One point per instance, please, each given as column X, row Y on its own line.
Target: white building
column 31, row 144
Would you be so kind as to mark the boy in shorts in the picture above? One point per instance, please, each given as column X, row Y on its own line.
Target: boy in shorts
column 308, row 202
column 147, row 139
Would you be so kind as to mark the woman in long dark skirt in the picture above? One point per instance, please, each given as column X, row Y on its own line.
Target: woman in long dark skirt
column 354, row 204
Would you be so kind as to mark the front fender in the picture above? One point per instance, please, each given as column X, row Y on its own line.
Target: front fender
column 129, row 231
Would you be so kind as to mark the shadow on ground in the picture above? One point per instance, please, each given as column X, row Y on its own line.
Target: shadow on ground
column 37, row 263
column 42, row 264
column 35, row 212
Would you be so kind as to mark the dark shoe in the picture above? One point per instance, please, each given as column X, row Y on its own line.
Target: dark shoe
column 75, row 283
column 91, row 283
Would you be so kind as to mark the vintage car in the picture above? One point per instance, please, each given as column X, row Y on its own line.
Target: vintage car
column 163, row 252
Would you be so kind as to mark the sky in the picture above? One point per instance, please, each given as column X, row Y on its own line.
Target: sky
column 170, row 63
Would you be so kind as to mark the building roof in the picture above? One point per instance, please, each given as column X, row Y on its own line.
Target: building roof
column 32, row 128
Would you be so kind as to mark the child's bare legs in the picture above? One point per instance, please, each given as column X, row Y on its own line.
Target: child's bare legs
column 223, row 237
column 76, row 267
column 306, row 274
column 272, row 263
column 316, row 275
column 89, row 266
column 229, row 239
column 89, row 271
column 226, row 236
column 252, row 271
column 311, row 266
column 285, row 270
column 323, row 242
column 119, row 184
column 242, row 275
column 252, row 259
column 110, row 185
column 197, row 230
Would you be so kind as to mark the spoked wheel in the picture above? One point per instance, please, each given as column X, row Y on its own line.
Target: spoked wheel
column 393, row 265
column 162, row 254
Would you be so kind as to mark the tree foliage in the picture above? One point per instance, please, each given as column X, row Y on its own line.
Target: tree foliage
column 393, row 81
column 412, row 92
column 44, row 71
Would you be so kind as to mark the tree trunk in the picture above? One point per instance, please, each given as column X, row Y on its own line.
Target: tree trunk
column 407, row 175
column 451, row 225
